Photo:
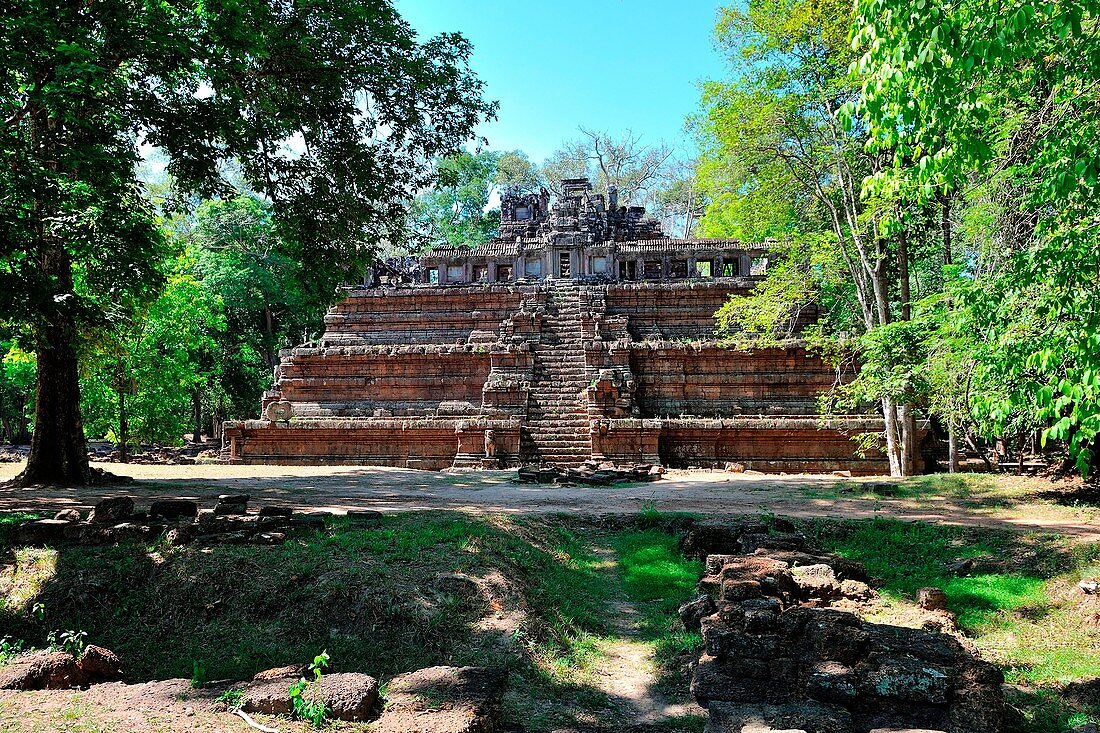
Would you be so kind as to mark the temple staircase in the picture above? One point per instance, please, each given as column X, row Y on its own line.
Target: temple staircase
column 557, row 427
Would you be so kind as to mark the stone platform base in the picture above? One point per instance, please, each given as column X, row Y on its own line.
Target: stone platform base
column 765, row 444
column 425, row 443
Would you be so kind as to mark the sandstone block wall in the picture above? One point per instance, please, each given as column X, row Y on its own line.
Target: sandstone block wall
column 356, row 381
column 421, row 315
column 431, row 444
column 708, row 381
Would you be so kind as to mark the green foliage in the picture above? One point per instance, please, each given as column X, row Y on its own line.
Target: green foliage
column 333, row 126
column 18, row 369
column 765, row 133
column 1002, row 96
column 455, row 210
column 198, row 673
column 151, row 364
column 231, row 698
column 70, row 641
column 305, row 694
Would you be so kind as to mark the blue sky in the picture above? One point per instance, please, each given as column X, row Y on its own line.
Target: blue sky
column 604, row 64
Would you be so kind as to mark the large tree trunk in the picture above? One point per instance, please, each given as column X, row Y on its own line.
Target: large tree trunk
column 58, row 453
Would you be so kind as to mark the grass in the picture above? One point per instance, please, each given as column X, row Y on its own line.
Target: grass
column 383, row 601
column 658, row 579
column 1020, row 606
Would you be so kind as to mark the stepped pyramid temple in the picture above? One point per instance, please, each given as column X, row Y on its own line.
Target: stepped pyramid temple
column 580, row 332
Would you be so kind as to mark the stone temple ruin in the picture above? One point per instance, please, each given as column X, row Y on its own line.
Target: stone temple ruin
column 580, row 333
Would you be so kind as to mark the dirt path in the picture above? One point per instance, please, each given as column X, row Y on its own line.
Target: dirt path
column 339, row 488
column 627, row 671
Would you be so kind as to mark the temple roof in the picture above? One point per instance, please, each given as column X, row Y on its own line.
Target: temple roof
column 498, row 248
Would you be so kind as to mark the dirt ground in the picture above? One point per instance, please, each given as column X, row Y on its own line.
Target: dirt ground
column 1011, row 502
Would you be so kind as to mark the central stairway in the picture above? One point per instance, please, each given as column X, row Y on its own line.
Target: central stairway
column 557, row 428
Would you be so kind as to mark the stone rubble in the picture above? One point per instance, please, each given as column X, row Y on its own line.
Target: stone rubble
column 180, row 522
column 780, row 654
column 591, row 473
column 57, row 670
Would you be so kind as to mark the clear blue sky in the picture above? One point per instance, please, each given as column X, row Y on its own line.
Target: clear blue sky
column 604, row 64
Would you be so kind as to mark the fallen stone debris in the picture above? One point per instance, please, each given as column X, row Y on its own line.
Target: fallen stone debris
column 57, row 670
column 185, row 455
column 783, row 649
column 591, row 473
column 180, row 522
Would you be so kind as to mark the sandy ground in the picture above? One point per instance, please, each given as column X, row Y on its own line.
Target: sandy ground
column 339, row 488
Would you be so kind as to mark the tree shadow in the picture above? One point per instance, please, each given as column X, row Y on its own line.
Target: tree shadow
column 381, row 601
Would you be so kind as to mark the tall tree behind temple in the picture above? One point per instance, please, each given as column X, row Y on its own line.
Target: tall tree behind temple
column 455, row 210
column 624, row 161
column 331, row 125
column 778, row 159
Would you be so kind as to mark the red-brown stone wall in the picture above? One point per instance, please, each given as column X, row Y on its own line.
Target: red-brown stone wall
column 354, row 382
column 708, row 381
column 420, row 315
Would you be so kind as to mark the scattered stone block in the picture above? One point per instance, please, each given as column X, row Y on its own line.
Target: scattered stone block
column 112, row 510
column 349, row 695
column 367, row 518
column 692, row 612
column 173, row 509
column 55, row 670
column 932, row 599
column 99, row 664
column 1089, row 587
column 275, row 511
column 223, row 509
column 43, row 531
column 271, row 697
column 68, row 515
column 444, row 700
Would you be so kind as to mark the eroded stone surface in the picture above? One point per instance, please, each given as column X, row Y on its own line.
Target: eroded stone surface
column 778, row 657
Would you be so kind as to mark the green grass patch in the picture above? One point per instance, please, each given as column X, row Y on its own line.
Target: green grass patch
column 658, row 579
column 1019, row 607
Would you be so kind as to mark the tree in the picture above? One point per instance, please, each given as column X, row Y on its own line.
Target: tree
column 329, row 108
column 779, row 158
column 623, row 162
column 994, row 105
column 140, row 377
column 17, row 375
column 678, row 201
column 455, row 210
column 517, row 174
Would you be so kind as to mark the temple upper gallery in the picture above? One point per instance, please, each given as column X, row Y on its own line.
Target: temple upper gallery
column 579, row 333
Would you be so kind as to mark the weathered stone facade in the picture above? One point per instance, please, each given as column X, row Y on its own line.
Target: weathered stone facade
column 609, row 359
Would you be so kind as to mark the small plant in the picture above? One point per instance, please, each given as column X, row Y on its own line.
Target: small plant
column 231, row 698
column 198, row 673
column 38, row 610
column 72, row 642
column 304, row 694
column 649, row 515
column 11, row 648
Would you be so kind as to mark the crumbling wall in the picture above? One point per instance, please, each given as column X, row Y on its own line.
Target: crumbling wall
column 778, row 656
